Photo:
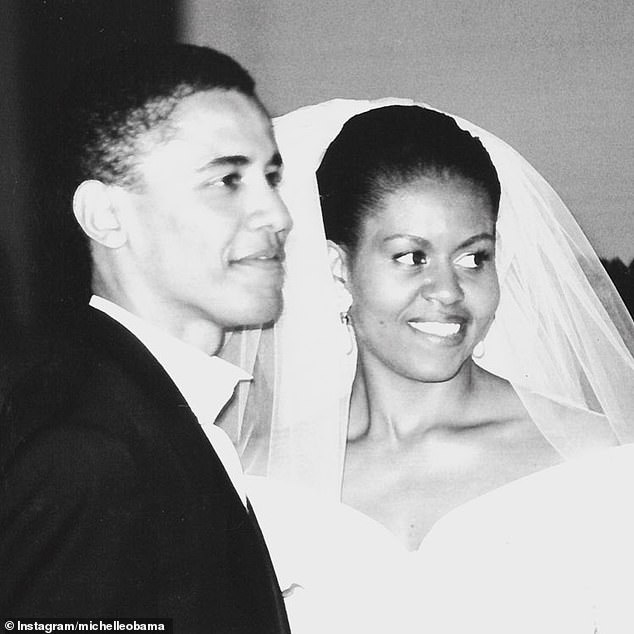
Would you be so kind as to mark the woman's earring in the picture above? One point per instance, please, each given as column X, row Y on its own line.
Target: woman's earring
column 344, row 301
column 478, row 350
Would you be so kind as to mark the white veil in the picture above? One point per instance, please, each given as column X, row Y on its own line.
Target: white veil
column 561, row 334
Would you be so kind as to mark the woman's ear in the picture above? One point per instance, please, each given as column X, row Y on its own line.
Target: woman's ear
column 338, row 260
column 97, row 209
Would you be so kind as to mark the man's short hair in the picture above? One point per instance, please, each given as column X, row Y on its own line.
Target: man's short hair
column 117, row 100
column 96, row 133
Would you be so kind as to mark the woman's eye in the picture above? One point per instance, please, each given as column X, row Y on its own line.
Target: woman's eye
column 411, row 258
column 274, row 178
column 473, row 260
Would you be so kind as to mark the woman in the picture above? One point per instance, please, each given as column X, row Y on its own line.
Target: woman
column 416, row 438
column 410, row 205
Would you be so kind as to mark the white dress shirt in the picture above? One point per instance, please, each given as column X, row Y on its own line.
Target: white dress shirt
column 206, row 382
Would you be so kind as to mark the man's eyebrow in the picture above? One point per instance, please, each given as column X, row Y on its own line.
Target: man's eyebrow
column 276, row 160
column 236, row 160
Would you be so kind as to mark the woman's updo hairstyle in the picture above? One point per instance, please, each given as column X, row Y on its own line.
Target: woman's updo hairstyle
column 382, row 150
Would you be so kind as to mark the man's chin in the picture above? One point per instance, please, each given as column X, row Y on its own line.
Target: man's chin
column 254, row 315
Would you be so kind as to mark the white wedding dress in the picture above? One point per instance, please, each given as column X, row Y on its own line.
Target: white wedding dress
column 550, row 553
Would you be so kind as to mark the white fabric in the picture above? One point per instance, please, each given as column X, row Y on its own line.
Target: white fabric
column 206, row 382
column 550, row 553
column 247, row 418
column 544, row 554
column 561, row 334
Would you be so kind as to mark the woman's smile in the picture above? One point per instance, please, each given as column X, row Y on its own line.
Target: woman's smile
column 445, row 332
column 423, row 278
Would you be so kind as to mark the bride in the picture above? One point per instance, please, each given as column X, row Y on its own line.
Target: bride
column 449, row 340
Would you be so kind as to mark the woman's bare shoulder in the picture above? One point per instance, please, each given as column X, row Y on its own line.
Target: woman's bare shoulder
column 496, row 400
column 511, row 426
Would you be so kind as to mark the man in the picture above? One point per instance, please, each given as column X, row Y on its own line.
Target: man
column 119, row 496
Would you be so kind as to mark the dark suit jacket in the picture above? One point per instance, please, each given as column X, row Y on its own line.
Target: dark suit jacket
column 114, row 504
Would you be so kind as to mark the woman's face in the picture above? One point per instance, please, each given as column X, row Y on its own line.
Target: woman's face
column 423, row 278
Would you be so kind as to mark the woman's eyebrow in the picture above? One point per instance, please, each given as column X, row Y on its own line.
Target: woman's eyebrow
column 407, row 236
column 485, row 235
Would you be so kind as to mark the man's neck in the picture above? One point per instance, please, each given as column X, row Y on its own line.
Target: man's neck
column 192, row 330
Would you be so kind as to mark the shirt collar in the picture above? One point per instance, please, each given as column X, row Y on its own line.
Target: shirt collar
column 207, row 382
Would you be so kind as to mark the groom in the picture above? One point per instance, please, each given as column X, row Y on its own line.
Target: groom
column 119, row 496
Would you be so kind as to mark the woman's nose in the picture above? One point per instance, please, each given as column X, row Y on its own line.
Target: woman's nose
column 441, row 284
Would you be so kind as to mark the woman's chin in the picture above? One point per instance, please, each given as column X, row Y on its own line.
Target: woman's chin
column 435, row 371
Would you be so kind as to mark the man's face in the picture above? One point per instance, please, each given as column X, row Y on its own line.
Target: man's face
column 206, row 233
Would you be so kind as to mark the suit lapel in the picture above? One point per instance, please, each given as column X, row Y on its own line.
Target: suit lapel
column 196, row 454
column 172, row 413
column 276, row 600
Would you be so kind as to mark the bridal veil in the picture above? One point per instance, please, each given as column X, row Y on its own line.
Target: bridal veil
column 561, row 333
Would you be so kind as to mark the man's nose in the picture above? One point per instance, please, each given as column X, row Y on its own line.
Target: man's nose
column 440, row 283
column 269, row 211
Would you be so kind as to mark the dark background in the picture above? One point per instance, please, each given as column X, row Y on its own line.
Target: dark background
column 43, row 43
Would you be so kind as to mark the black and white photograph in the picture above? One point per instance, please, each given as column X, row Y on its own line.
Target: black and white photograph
column 317, row 317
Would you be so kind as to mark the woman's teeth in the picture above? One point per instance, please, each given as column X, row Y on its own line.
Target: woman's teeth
column 437, row 328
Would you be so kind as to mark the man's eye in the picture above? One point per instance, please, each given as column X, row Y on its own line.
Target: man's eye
column 274, row 178
column 229, row 181
column 473, row 260
column 411, row 258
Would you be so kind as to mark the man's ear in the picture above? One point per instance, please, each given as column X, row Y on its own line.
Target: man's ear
column 338, row 259
column 97, row 210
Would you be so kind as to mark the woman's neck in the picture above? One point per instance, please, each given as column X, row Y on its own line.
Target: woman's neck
column 387, row 405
